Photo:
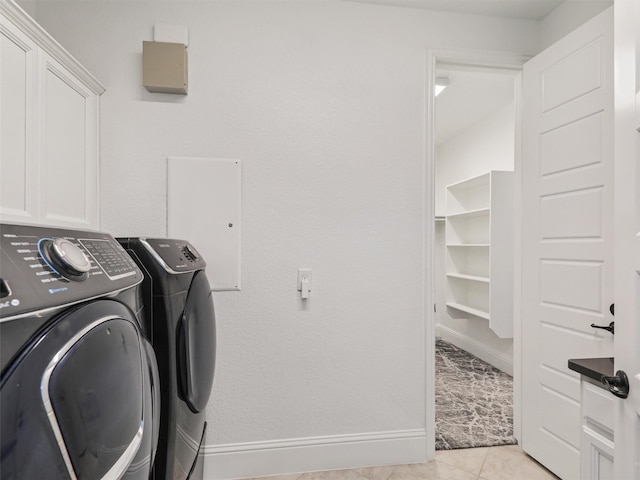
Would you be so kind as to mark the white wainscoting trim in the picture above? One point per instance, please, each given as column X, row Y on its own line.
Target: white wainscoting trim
column 276, row 457
column 497, row 359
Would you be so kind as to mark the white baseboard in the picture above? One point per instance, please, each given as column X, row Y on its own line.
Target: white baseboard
column 497, row 359
column 255, row 459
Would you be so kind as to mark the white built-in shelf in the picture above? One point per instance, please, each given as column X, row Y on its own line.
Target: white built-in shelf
column 471, row 278
column 470, row 310
column 479, row 245
column 470, row 213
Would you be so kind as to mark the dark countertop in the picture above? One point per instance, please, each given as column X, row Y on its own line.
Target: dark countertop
column 593, row 368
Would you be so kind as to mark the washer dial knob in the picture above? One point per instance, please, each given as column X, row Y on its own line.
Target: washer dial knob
column 68, row 259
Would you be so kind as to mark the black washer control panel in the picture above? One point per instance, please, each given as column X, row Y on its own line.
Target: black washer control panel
column 42, row 268
column 111, row 257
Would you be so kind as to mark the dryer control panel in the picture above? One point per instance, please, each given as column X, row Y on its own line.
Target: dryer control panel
column 175, row 256
column 43, row 268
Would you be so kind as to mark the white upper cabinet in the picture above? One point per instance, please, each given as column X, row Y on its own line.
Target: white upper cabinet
column 18, row 66
column 49, row 107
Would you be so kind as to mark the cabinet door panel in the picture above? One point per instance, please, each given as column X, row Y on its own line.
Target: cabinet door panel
column 596, row 457
column 18, row 62
column 69, row 148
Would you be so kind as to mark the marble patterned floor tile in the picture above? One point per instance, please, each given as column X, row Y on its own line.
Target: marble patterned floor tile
column 293, row 476
column 492, row 463
column 467, row 459
column 376, row 473
column 355, row 474
column 433, row 470
column 510, row 462
column 363, row 473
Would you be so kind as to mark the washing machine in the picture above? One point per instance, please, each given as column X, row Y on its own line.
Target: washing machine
column 79, row 385
column 180, row 323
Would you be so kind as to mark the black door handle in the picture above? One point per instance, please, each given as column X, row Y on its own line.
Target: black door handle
column 609, row 328
column 618, row 385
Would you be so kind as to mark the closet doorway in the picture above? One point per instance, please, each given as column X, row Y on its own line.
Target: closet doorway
column 474, row 136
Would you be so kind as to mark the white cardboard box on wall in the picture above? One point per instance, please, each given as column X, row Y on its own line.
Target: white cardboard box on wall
column 203, row 207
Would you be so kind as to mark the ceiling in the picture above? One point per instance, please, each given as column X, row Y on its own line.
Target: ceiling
column 472, row 95
column 525, row 9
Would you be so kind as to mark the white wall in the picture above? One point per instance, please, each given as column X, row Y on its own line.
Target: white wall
column 29, row 6
column 488, row 145
column 324, row 103
column 568, row 16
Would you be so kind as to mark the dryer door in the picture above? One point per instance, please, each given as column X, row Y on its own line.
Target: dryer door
column 76, row 404
column 197, row 345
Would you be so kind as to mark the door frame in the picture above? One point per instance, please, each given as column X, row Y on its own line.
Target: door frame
column 627, row 121
column 482, row 59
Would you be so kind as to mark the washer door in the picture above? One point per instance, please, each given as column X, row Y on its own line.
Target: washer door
column 196, row 347
column 76, row 403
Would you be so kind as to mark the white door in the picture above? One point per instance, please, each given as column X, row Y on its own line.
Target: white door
column 627, row 233
column 567, row 226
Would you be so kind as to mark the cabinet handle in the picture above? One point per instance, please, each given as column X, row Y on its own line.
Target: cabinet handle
column 618, row 385
column 609, row 328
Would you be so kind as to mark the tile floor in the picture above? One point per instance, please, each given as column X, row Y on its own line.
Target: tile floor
column 488, row 463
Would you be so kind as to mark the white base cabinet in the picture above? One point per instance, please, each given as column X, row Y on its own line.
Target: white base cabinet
column 596, row 448
column 479, row 243
column 48, row 128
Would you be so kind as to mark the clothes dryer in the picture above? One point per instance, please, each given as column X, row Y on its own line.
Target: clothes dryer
column 79, row 395
column 180, row 322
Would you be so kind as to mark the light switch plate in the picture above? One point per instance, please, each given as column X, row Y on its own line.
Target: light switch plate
column 302, row 274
